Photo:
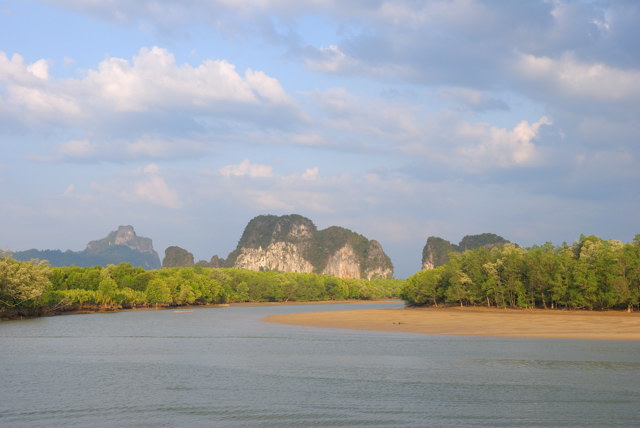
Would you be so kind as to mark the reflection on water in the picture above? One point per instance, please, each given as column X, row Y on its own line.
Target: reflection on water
column 224, row 367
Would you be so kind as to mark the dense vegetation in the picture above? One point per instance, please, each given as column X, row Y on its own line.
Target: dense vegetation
column 29, row 288
column 590, row 274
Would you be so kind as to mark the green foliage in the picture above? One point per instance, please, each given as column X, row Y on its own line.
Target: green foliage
column 158, row 291
column 22, row 283
column 124, row 286
column 422, row 288
column 590, row 274
column 107, row 286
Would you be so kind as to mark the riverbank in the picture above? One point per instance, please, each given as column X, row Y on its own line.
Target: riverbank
column 22, row 313
column 609, row 325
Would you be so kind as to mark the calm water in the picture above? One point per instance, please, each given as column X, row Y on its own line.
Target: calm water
column 225, row 367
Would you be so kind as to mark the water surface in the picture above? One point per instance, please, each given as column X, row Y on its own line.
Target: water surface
column 225, row 367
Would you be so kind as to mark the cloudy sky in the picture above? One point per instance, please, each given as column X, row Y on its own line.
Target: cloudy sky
column 397, row 119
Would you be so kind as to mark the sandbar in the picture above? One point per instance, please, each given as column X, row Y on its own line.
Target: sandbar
column 609, row 325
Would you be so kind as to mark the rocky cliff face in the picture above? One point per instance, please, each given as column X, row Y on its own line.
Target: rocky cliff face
column 436, row 251
column 277, row 256
column 293, row 244
column 123, row 245
column 125, row 236
column 343, row 263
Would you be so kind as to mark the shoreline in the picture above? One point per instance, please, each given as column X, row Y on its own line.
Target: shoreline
column 102, row 310
column 477, row 321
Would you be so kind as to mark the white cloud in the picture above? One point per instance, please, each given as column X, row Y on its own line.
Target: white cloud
column 330, row 59
column 30, row 91
column 311, row 174
column 138, row 99
column 579, row 80
column 40, row 69
column 247, row 169
column 153, row 80
column 499, row 147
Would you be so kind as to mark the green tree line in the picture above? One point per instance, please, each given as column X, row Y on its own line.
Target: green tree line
column 590, row 274
column 34, row 287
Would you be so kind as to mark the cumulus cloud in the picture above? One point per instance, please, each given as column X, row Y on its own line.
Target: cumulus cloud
column 499, row 147
column 153, row 80
column 121, row 106
column 30, row 95
column 581, row 81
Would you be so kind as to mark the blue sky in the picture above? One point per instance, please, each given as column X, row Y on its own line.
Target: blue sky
column 396, row 119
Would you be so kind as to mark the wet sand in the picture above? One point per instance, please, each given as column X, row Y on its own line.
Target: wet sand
column 609, row 325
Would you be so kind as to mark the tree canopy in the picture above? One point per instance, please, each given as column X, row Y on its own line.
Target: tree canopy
column 590, row 274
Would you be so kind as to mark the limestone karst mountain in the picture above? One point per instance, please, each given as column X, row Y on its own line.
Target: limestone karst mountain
column 175, row 256
column 436, row 251
column 292, row 243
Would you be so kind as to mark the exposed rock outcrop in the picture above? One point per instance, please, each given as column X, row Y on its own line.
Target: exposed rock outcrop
column 277, row 256
column 124, row 236
column 292, row 243
column 343, row 263
column 436, row 251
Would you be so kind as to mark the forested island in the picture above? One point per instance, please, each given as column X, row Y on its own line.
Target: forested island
column 590, row 274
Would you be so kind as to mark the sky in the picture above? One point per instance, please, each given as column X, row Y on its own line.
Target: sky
column 397, row 119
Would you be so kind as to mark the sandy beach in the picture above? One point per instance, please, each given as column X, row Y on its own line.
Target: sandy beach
column 610, row 325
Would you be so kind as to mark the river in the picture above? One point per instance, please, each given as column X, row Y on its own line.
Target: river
column 225, row 367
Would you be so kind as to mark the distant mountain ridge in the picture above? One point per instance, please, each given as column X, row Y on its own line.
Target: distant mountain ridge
column 120, row 246
column 436, row 251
